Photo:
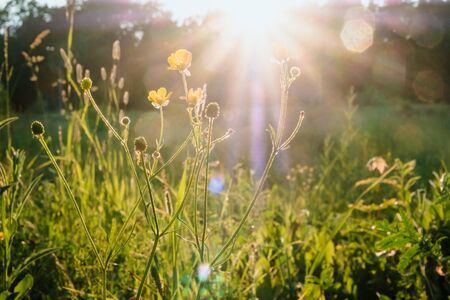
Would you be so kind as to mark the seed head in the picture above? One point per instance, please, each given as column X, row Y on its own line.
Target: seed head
column 121, row 83
column 79, row 72
column 125, row 121
column 212, row 110
column 86, row 84
column 37, row 129
column 103, row 73
column 116, row 50
column 126, row 98
column 140, row 144
column 156, row 155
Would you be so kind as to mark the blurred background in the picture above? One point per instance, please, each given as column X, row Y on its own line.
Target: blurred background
column 392, row 57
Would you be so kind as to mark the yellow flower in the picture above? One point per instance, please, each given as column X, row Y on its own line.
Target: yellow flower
column 2, row 235
column 159, row 98
column 280, row 53
column 194, row 97
column 180, row 60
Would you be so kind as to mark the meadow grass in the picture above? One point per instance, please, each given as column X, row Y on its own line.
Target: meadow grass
column 415, row 133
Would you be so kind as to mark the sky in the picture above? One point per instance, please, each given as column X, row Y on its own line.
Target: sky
column 182, row 9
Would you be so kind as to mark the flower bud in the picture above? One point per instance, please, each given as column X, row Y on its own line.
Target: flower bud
column 125, row 121
column 156, row 155
column 86, row 84
column 37, row 129
column 212, row 110
column 140, row 144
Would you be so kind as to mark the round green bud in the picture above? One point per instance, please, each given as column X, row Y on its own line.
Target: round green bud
column 37, row 129
column 86, row 83
column 140, row 144
column 212, row 110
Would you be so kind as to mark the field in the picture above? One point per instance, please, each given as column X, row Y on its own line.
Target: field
column 319, row 200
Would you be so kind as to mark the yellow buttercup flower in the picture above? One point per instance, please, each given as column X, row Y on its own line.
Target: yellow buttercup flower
column 180, row 60
column 194, row 96
column 159, row 98
column 280, row 53
column 2, row 236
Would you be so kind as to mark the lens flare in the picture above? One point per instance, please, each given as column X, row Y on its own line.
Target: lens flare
column 203, row 272
column 357, row 35
column 216, row 184
column 428, row 86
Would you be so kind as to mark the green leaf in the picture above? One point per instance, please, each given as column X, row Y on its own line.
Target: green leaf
column 23, row 287
column 30, row 259
column 4, row 295
column 26, row 195
column 7, row 121
column 409, row 226
column 393, row 241
column 182, row 187
column 383, row 297
column 407, row 257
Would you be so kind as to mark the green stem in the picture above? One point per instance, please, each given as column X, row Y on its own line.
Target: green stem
column 185, row 86
column 102, row 116
column 104, row 284
column 74, row 201
column 152, row 202
column 283, row 106
column 197, row 241
column 180, row 207
column 161, row 130
column 205, row 199
column 7, row 77
column 261, row 182
column 7, row 256
column 147, row 267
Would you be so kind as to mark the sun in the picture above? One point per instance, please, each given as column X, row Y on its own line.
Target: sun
column 253, row 19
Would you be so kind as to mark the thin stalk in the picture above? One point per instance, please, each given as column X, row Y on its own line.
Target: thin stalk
column 261, row 182
column 136, row 205
column 69, row 52
column 102, row 116
column 74, row 201
column 205, row 198
column 7, row 77
column 185, row 86
column 175, row 265
column 161, row 129
column 119, row 138
column 173, row 157
column 147, row 267
column 195, row 204
column 7, row 256
column 157, row 234
column 285, row 82
column 152, row 202
column 180, row 207
column 104, row 283
column 283, row 105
